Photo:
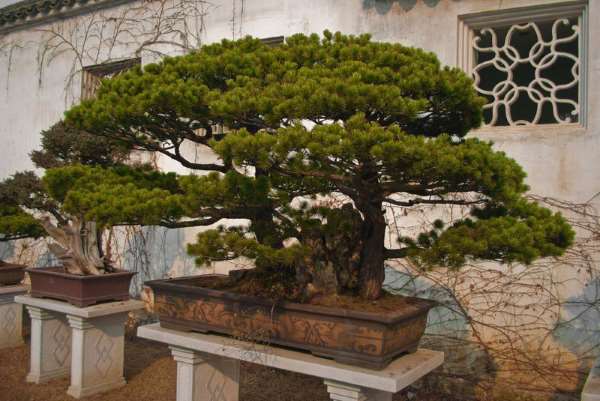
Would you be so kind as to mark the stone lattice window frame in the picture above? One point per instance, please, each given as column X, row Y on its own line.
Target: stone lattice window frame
column 468, row 24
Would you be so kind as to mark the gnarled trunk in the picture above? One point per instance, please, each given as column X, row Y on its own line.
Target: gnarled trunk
column 372, row 272
column 77, row 246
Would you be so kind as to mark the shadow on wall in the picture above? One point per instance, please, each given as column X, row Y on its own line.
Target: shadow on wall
column 579, row 327
column 152, row 252
column 7, row 250
column 46, row 259
column 448, row 330
column 384, row 6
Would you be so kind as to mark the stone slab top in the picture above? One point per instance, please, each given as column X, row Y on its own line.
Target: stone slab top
column 402, row 372
column 13, row 289
column 591, row 389
column 90, row 312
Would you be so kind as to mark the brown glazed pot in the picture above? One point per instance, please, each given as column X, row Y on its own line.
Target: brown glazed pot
column 81, row 291
column 364, row 339
column 11, row 274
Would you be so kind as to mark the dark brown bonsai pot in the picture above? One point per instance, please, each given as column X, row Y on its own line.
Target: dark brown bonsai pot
column 365, row 339
column 79, row 290
column 11, row 274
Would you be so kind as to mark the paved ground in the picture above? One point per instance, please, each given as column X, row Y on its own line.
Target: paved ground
column 150, row 372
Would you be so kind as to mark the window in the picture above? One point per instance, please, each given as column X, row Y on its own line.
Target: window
column 273, row 41
column 93, row 75
column 528, row 62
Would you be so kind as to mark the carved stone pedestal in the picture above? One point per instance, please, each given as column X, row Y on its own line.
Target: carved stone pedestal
column 50, row 345
column 205, row 377
column 347, row 392
column 591, row 389
column 11, row 316
column 208, row 367
column 98, row 347
column 87, row 343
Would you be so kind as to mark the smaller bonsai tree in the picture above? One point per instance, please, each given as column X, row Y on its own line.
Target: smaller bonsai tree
column 31, row 207
column 372, row 124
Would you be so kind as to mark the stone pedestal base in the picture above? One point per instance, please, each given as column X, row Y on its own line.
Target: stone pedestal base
column 346, row 392
column 50, row 346
column 205, row 377
column 87, row 343
column 208, row 367
column 98, row 351
column 11, row 316
column 591, row 389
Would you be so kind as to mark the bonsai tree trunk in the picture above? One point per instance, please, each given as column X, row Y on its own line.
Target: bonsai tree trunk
column 372, row 271
column 77, row 246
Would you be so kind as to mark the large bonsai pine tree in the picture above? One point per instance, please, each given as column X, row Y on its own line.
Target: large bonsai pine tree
column 374, row 124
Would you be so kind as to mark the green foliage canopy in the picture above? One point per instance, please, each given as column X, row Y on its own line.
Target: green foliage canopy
column 63, row 145
column 377, row 123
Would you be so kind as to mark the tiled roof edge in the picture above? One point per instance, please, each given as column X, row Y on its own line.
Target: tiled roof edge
column 28, row 13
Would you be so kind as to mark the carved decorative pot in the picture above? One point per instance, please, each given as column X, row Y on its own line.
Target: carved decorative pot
column 81, row 291
column 11, row 274
column 364, row 339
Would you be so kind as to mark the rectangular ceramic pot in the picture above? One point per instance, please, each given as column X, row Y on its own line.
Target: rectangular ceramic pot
column 11, row 274
column 357, row 338
column 81, row 291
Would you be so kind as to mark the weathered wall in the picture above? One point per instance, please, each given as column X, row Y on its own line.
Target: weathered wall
column 511, row 324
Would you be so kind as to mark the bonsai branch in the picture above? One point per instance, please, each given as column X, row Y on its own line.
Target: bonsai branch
column 417, row 201
column 399, row 253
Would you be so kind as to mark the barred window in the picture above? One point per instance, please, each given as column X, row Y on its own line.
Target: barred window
column 530, row 69
column 273, row 41
column 93, row 75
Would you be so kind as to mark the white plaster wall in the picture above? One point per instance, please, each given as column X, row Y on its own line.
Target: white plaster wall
column 4, row 3
column 561, row 162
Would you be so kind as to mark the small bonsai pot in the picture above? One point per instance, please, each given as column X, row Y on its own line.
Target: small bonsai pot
column 81, row 291
column 364, row 339
column 11, row 274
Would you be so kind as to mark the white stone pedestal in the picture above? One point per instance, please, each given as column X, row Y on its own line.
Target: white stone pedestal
column 203, row 377
column 11, row 316
column 347, row 392
column 208, row 367
column 98, row 347
column 591, row 389
column 87, row 343
column 50, row 355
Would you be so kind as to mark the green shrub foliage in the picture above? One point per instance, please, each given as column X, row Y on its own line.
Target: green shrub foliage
column 20, row 196
column 25, row 198
column 339, row 117
column 63, row 145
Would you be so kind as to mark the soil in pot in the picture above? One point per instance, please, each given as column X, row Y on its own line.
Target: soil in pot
column 251, row 287
column 79, row 290
column 345, row 328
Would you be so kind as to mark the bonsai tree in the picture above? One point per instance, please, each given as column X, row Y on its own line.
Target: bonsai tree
column 371, row 124
column 31, row 207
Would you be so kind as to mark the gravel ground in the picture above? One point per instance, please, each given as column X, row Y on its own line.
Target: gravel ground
column 150, row 373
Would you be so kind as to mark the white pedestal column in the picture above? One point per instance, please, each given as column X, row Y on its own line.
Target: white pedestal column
column 50, row 346
column 347, row 392
column 205, row 377
column 11, row 317
column 98, row 347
